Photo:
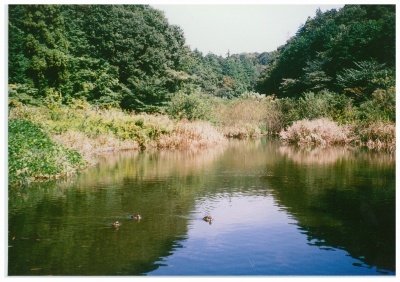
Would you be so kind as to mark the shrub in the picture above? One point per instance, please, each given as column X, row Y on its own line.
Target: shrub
column 94, row 122
column 250, row 115
column 22, row 94
column 192, row 106
column 32, row 155
column 377, row 135
column 91, row 147
column 191, row 135
column 381, row 106
column 321, row 132
column 325, row 104
column 288, row 108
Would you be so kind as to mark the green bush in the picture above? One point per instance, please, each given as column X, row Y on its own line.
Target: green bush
column 381, row 107
column 192, row 106
column 365, row 78
column 32, row 155
column 324, row 104
column 22, row 94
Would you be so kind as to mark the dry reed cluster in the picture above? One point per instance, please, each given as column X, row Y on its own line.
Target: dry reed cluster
column 321, row 132
column 379, row 136
column 195, row 134
column 89, row 148
column 242, row 118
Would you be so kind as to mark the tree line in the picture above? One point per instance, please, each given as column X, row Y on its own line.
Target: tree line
column 348, row 51
column 125, row 55
column 131, row 57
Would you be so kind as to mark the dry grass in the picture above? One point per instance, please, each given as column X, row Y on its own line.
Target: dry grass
column 241, row 130
column 321, row 132
column 378, row 136
column 89, row 147
column 191, row 135
column 248, row 117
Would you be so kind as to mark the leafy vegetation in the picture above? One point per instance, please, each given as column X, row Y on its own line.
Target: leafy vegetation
column 351, row 50
column 90, row 131
column 99, row 78
column 32, row 155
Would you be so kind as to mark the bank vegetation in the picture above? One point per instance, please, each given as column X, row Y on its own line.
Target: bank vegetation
column 89, row 79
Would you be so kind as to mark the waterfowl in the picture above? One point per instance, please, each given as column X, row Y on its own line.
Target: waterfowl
column 116, row 223
column 207, row 218
column 136, row 217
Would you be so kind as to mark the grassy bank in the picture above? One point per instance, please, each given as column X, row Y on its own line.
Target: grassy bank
column 53, row 140
column 78, row 133
column 320, row 119
column 324, row 132
column 33, row 156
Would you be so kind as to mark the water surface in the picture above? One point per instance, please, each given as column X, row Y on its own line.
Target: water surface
column 277, row 211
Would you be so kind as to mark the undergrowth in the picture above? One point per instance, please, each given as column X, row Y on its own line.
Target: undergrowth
column 33, row 156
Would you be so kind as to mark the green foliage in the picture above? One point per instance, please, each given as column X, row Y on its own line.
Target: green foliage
column 324, row 105
column 227, row 77
column 32, row 155
column 381, row 107
column 322, row 54
column 109, row 55
column 22, row 94
column 194, row 106
column 136, row 50
column 81, row 117
column 363, row 80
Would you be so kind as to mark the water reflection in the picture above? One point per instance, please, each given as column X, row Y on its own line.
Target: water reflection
column 331, row 155
column 334, row 206
column 344, row 198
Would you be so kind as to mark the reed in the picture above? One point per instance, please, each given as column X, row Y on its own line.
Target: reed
column 321, row 132
column 195, row 134
column 248, row 117
column 90, row 148
column 377, row 135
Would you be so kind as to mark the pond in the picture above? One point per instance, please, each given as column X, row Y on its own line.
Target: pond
column 277, row 210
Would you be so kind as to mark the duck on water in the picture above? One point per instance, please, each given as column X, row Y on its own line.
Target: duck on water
column 208, row 218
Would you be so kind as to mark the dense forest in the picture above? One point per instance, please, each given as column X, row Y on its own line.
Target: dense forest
column 125, row 55
column 348, row 51
column 122, row 77
column 129, row 55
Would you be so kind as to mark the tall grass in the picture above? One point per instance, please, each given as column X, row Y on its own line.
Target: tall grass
column 97, row 125
column 91, row 132
column 90, row 148
column 321, row 132
column 191, row 135
column 251, row 116
column 377, row 135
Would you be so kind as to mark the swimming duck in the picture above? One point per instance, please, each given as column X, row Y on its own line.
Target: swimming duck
column 136, row 217
column 207, row 218
column 116, row 223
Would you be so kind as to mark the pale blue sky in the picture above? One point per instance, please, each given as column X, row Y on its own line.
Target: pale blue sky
column 239, row 28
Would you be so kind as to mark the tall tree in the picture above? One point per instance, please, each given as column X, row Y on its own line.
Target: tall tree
column 328, row 44
column 38, row 47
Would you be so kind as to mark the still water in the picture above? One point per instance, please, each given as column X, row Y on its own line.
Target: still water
column 276, row 211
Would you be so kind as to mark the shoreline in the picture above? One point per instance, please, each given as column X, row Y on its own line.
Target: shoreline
column 59, row 142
